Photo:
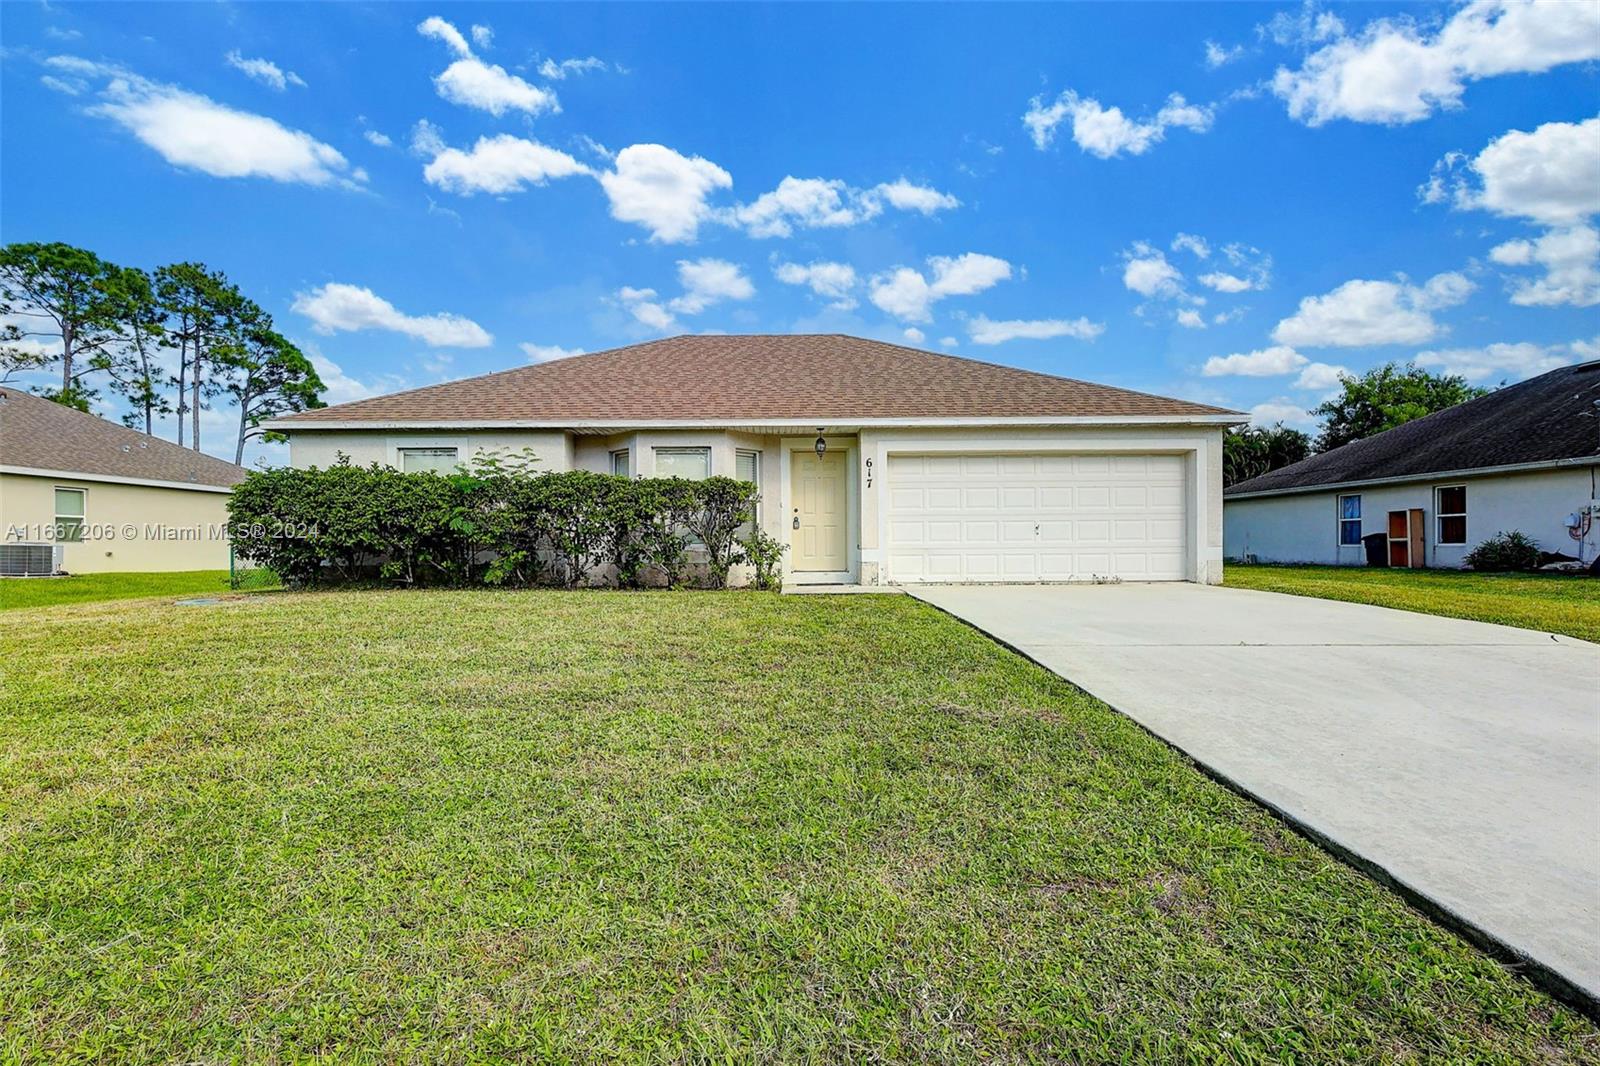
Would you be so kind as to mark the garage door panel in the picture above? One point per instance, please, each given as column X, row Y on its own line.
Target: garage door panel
column 1045, row 517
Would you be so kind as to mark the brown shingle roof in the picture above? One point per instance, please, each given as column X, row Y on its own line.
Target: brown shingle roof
column 44, row 435
column 826, row 377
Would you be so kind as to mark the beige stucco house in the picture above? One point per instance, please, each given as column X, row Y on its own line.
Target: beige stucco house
column 876, row 463
column 83, row 495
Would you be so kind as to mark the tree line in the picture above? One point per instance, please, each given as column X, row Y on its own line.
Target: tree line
column 169, row 342
column 1382, row 398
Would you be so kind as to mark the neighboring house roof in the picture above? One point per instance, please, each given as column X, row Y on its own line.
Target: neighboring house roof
column 818, row 377
column 1548, row 420
column 41, row 435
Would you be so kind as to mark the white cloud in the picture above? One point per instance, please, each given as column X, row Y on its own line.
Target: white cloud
column 265, row 71
column 643, row 305
column 1282, row 410
column 662, row 190
column 906, row 196
column 1394, row 72
column 833, row 281
column 498, row 165
column 341, row 387
column 948, row 342
column 1218, row 56
column 984, row 330
column 1360, row 313
column 808, row 203
column 471, row 82
column 1222, row 281
column 1147, row 272
column 1268, row 362
column 1191, row 243
column 1106, row 132
column 554, row 71
column 908, row 295
column 1570, row 258
column 1321, row 377
column 816, row 203
column 1189, row 318
column 440, row 30
column 427, row 139
column 547, row 353
column 1302, row 28
column 914, row 335
column 705, row 282
column 380, row 139
column 709, row 281
column 1515, row 361
column 337, row 307
column 196, row 132
column 1550, row 176
column 483, row 36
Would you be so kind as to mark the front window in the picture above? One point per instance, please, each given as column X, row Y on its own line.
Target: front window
column 691, row 463
column 69, row 514
column 1452, row 514
column 747, row 467
column 619, row 463
column 1349, row 520
column 435, row 460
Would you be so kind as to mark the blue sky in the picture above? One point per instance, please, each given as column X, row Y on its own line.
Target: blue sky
column 1224, row 202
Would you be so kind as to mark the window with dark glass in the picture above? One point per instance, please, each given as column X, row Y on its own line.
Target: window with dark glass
column 1452, row 515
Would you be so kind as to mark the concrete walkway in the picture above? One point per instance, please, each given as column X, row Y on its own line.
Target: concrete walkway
column 1461, row 758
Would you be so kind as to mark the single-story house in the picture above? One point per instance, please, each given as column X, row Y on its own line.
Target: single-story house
column 1524, row 458
column 83, row 495
column 876, row 463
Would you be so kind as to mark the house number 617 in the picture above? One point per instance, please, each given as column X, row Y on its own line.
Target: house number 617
column 869, row 473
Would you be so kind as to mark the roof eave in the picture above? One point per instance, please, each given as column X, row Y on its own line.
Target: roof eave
column 1431, row 475
column 1218, row 419
column 113, row 479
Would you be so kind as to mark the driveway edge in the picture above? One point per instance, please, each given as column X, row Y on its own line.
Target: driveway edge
column 1551, row 981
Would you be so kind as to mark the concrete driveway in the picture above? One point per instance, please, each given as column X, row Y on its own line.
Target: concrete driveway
column 1462, row 758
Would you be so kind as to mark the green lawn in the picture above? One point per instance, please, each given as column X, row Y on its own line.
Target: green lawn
column 456, row 826
column 1552, row 603
column 17, row 593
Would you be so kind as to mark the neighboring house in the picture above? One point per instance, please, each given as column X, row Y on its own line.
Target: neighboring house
column 876, row 463
column 1525, row 457
column 84, row 495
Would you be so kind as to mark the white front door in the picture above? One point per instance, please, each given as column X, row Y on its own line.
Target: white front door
column 819, row 525
column 1036, row 518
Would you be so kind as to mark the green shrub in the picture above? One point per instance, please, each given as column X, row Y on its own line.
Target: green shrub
column 496, row 522
column 764, row 553
column 1505, row 552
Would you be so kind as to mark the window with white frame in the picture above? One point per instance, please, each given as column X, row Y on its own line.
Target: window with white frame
column 691, row 463
column 619, row 463
column 747, row 467
column 1349, row 520
column 1450, row 509
column 436, row 460
column 69, row 514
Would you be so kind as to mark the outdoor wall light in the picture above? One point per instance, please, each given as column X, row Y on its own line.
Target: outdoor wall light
column 821, row 446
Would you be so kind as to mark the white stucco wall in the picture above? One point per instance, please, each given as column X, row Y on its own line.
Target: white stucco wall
column 1303, row 528
column 127, row 528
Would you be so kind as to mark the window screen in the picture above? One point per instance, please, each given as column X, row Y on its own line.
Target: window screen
column 69, row 514
column 438, row 460
column 691, row 463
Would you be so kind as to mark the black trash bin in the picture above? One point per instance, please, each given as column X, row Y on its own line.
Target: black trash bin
column 1377, row 545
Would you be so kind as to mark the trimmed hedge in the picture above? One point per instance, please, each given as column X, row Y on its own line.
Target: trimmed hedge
column 497, row 523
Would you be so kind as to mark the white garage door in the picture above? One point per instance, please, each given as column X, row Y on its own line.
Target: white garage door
column 1036, row 517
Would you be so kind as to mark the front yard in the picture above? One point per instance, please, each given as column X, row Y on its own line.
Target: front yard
column 1552, row 603
column 17, row 593
column 446, row 826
